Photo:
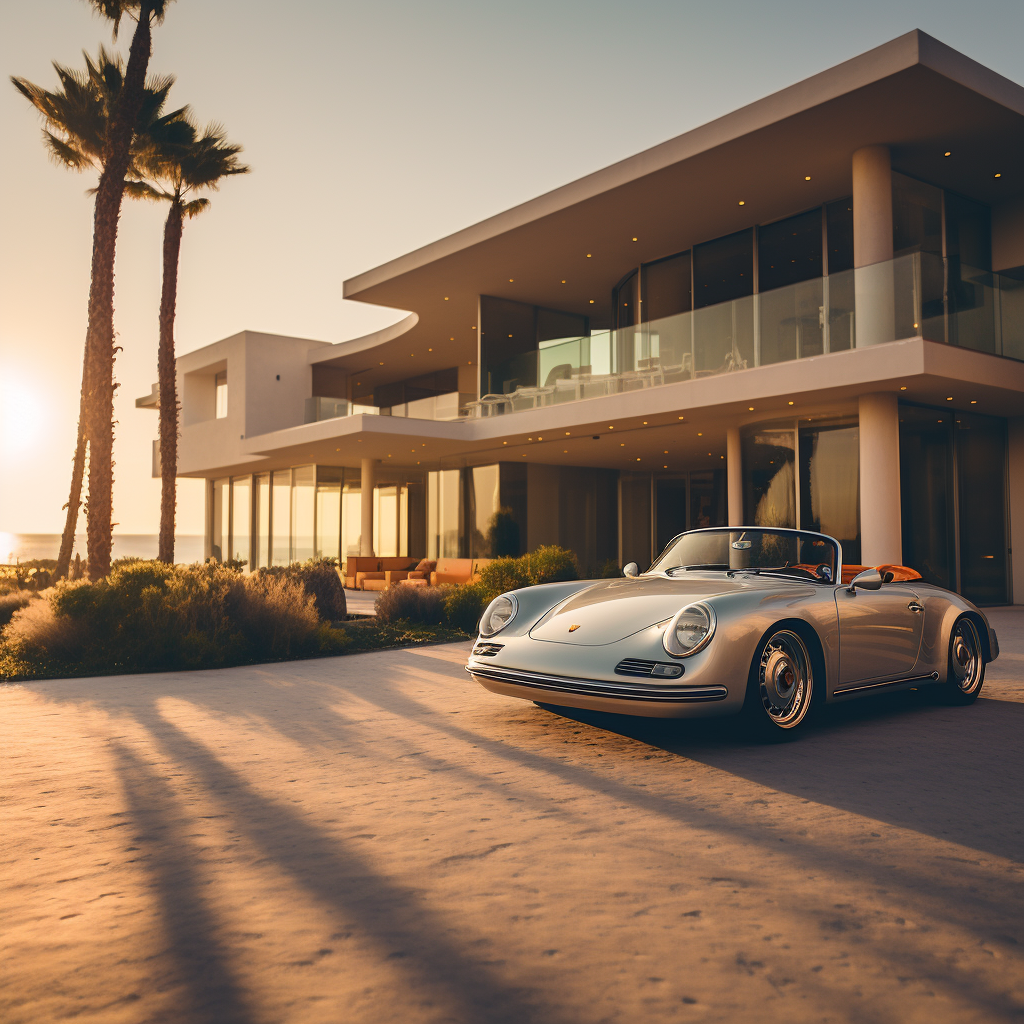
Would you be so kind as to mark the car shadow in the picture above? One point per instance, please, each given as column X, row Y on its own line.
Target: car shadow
column 953, row 773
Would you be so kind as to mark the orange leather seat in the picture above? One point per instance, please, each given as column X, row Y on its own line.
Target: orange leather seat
column 900, row 573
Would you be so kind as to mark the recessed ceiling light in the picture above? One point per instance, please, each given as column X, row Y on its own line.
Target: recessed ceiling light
column 565, row 451
column 998, row 175
column 567, row 433
column 622, row 444
column 634, row 239
column 588, row 255
column 637, row 460
column 446, row 298
column 700, row 433
column 645, row 423
column 742, row 203
column 665, row 452
column 610, row 427
column 664, row 467
column 591, row 301
column 679, row 417
column 504, row 442
column 807, row 177
column 903, row 388
column 974, row 401
column 947, row 153
column 789, row 403
column 750, row 408
column 950, row 399
column 563, row 282
column 381, row 364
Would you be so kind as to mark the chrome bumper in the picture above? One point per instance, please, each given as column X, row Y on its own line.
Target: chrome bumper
column 598, row 688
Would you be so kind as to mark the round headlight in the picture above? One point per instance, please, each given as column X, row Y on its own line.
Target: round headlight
column 498, row 614
column 690, row 630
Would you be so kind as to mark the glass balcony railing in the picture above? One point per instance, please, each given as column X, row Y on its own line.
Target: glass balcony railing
column 917, row 295
column 450, row 406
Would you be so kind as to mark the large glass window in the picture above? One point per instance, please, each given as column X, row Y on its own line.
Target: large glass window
column 791, row 307
column 443, row 513
column 840, row 283
column 328, row 511
column 261, row 521
column 636, row 537
column 707, row 500
column 969, row 285
column 351, row 513
column 917, row 230
column 281, row 516
column 769, row 491
column 669, row 508
column 303, row 504
column 241, row 513
column 723, row 286
column 220, row 519
column 483, row 499
column 829, row 474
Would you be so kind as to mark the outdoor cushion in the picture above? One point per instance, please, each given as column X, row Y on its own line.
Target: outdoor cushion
column 427, row 565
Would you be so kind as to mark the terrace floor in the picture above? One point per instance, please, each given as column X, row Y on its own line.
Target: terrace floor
column 375, row 838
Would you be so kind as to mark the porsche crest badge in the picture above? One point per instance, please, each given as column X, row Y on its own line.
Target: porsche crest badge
column 573, row 628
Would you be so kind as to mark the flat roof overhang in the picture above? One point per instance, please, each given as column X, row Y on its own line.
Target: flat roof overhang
column 915, row 94
column 678, row 426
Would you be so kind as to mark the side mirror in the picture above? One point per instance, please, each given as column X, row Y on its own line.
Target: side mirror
column 869, row 579
column 631, row 569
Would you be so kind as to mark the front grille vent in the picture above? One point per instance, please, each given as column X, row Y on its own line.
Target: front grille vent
column 650, row 669
column 487, row 650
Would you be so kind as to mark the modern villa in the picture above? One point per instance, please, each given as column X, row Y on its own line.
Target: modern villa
column 807, row 313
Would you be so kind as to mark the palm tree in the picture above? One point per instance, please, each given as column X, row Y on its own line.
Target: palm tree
column 77, row 117
column 96, row 413
column 178, row 167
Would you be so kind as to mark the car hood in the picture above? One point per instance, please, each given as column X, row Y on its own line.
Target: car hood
column 614, row 609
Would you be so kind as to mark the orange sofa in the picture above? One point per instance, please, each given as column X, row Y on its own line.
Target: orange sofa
column 355, row 564
column 447, row 570
column 388, row 570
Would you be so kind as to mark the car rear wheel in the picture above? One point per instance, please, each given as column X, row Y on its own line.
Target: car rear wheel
column 780, row 690
column 965, row 673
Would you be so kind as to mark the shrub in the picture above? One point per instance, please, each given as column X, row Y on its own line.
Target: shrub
column 609, row 570
column 464, row 605
column 147, row 616
column 319, row 578
column 503, row 574
column 549, row 564
column 10, row 603
column 424, row 605
column 552, row 564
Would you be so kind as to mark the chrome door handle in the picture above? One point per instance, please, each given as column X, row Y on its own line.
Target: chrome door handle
column 915, row 607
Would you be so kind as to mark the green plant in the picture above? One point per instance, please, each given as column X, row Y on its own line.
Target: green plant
column 464, row 605
column 552, row 564
column 504, row 574
column 609, row 570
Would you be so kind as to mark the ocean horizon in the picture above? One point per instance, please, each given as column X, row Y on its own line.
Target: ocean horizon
column 22, row 547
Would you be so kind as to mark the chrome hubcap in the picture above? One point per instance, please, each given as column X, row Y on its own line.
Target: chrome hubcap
column 785, row 678
column 965, row 656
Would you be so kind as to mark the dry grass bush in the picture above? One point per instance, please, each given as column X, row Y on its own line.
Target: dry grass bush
column 464, row 605
column 411, row 604
column 11, row 602
column 319, row 578
column 147, row 616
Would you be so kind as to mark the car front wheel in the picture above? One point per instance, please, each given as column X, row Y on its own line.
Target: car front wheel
column 965, row 673
column 780, row 689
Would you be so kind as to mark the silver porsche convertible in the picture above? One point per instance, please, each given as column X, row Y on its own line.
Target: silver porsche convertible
column 759, row 622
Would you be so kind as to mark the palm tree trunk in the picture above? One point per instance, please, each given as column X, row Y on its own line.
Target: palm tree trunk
column 98, row 385
column 168, row 386
column 67, row 541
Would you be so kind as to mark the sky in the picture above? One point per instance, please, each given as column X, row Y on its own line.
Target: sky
column 371, row 129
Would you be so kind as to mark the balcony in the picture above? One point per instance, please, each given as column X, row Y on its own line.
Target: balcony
column 919, row 294
column 450, row 406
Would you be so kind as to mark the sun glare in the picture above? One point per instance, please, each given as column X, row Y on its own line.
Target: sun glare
column 22, row 422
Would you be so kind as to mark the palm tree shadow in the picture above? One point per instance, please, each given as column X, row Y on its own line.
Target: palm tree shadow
column 201, row 962
column 397, row 919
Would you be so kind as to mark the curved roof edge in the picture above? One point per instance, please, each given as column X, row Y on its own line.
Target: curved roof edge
column 912, row 48
column 367, row 341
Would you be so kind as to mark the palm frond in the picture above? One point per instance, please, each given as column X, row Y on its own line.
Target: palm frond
column 194, row 207
column 115, row 10
column 143, row 190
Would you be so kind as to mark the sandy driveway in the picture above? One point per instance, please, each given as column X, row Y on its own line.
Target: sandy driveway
column 375, row 838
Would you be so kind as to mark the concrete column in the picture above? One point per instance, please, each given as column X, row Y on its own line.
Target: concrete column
column 881, row 522
column 872, row 246
column 734, row 476
column 367, row 480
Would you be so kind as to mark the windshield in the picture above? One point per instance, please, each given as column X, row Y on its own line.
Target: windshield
column 809, row 556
